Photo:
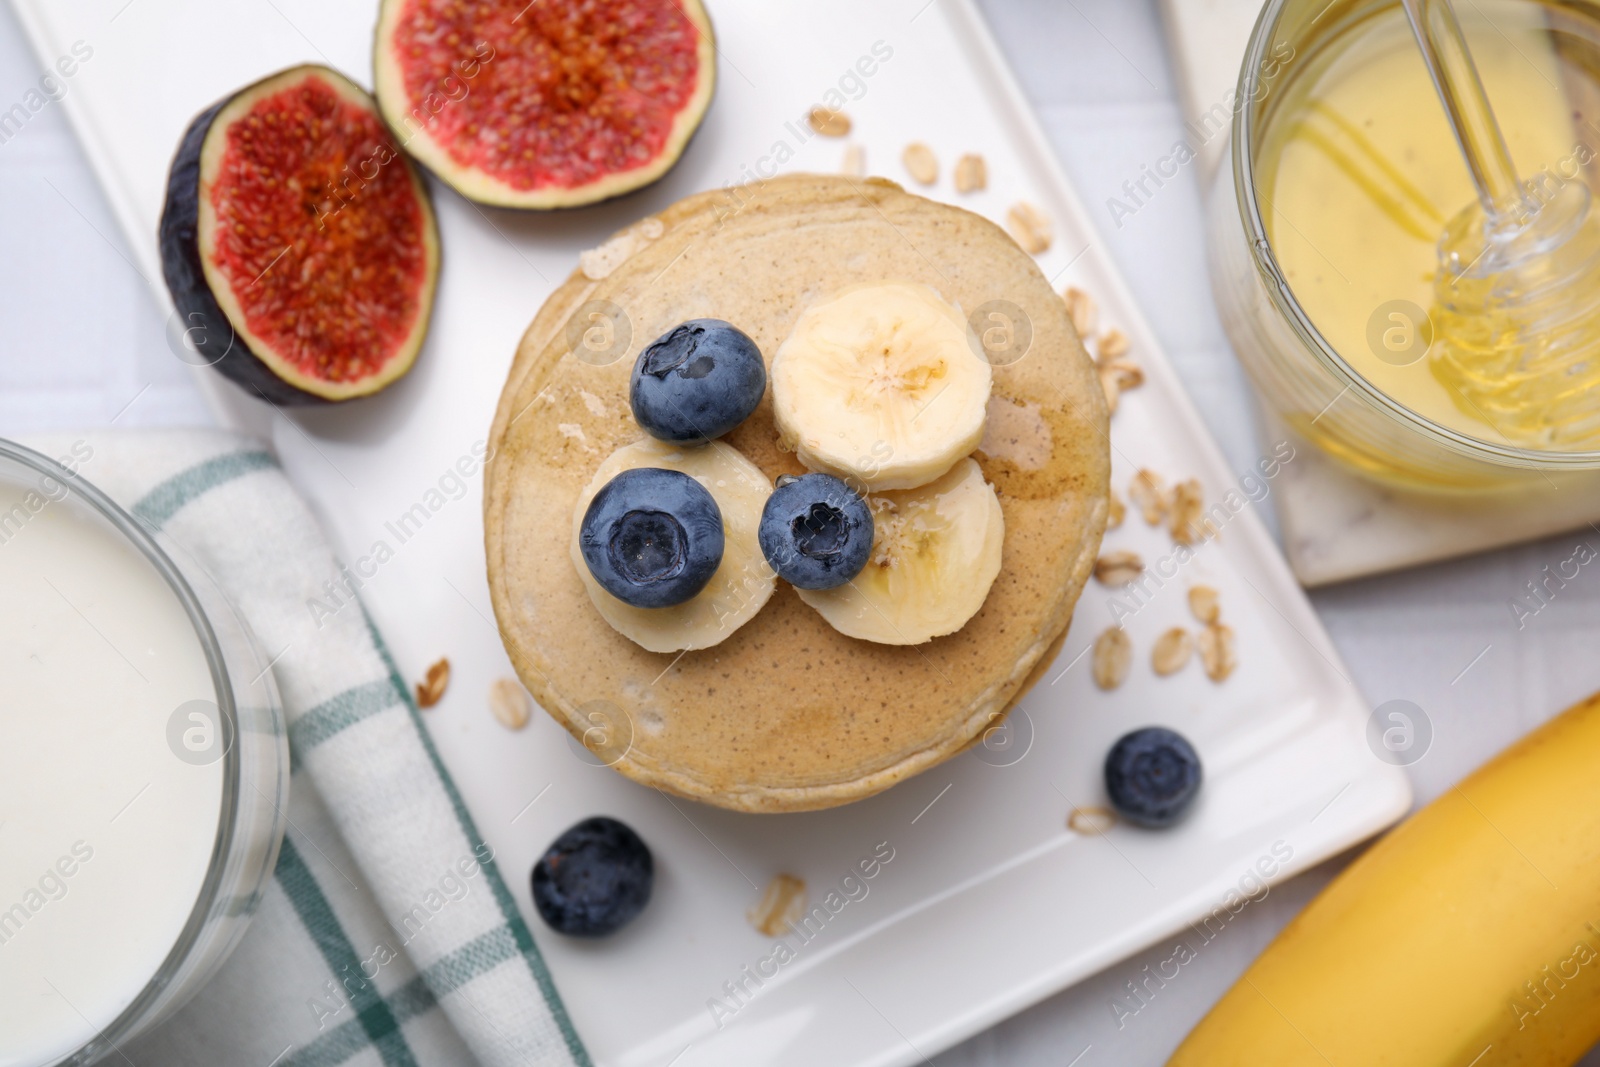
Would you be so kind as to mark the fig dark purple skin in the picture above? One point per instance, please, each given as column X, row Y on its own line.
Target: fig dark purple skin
column 200, row 317
column 211, row 336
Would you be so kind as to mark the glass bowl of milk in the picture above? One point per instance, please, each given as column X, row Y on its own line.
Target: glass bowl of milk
column 144, row 769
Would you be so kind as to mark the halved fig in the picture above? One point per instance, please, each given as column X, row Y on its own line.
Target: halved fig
column 298, row 242
column 543, row 105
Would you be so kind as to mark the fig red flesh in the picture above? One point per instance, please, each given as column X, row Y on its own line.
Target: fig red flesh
column 334, row 299
column 549, row 104
column 298, row 241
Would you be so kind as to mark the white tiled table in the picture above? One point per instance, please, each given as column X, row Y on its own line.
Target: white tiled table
column 81, row 344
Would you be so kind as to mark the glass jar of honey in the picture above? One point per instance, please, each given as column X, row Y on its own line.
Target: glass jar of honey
column 1325, row 234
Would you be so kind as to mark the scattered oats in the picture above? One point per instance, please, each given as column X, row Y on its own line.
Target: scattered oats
column 1217, row 651
column 1081, row 306
column 855, row 161
column 1091, row 822
column 1187, row 520
column 1171, row 652
column 1113, row 655
column 1110, row 345
column 921, row 162
column 1113, row 391
column 1118, row 511
column 1125, row 372
column 1116, row 378
column 1204, row 603
column 1148, row 491
column 432, row 686
column 1118, row 568
column 828, row 122
column 510, row 703
column 1029, row 227
column 972, row 173
column 780, row 907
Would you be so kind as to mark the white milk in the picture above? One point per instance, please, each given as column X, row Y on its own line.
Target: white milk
column 105, row 834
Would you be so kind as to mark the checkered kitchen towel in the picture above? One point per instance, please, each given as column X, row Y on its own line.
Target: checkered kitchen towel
column 387, row 935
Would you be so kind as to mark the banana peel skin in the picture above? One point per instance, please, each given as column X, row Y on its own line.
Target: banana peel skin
column 1467, row 937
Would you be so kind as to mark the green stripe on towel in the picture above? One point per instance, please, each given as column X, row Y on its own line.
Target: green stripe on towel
column 333, row 1047
column 347, row 1039
column 336, row 713
column 482, row 954
column 491, row 870
column 165, row 500
column 372, row 1012
column 377, row 1020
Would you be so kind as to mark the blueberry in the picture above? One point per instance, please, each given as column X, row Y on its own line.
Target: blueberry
column 594, row 879
column 1152, row 775
column 652, row 537
column 815, row 531
column 697, row 381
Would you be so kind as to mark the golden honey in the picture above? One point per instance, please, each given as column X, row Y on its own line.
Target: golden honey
column 1359, row 175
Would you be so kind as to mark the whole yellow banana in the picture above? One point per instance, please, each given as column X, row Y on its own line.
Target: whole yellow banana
column 1468, row 937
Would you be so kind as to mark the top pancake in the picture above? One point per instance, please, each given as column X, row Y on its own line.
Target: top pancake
column 786, row 714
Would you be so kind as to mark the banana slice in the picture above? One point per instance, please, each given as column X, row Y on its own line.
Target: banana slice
column 741, row 585
column 881, row 385
column 935, row 553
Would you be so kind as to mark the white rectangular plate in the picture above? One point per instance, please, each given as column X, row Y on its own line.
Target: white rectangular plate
column 989, row 902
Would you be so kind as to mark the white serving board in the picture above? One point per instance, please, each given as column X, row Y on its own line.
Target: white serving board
column 989, row 903
column 1208, row 39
